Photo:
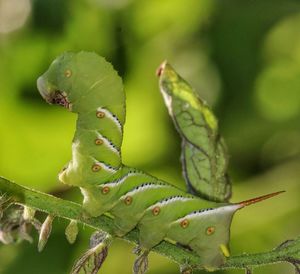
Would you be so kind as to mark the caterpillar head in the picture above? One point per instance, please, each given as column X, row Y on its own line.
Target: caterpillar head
column 80, row 82
column 54, row 85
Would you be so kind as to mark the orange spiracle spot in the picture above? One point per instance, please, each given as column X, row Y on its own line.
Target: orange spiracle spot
column 128, row 200
column 184, row 223
column 96, row 167
column 98, row 142
column 68, row 73
column 210, row 230
column 105, row 190
column 100, row 114
column 156, row 210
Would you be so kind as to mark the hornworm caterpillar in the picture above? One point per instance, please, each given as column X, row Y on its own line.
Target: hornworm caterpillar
column 86, row 84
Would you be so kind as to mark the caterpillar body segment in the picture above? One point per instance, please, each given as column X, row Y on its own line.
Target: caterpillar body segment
column 164, row 214
column 99, row 199
column 204, row 153
column 207, row 230
column 86, row 84
column 159, row 210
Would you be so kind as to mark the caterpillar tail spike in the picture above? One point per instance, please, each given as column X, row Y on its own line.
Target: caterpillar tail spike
column 258, row 199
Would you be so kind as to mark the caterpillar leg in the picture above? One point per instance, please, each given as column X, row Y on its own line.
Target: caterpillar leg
column 92, row 260
column 123, row 226
column 94, row 203
column 141, row 263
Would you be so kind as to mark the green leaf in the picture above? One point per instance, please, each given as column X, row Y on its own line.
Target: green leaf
column 204, row 153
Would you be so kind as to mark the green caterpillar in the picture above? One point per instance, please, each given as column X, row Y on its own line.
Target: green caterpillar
column 86, row 84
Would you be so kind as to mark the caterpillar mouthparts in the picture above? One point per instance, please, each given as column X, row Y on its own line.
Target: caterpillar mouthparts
column 51, row 96
column 59, row 98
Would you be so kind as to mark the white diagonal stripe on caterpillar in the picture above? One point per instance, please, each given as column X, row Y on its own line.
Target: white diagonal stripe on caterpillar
column 143, row 187
column 105, row 166
column 111, row 116
column 208, row 211
column 108, row 143
column 123, row 179
column 173, row 199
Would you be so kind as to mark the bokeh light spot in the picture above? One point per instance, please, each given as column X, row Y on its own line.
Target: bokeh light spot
column 13, row 14
column 278, row 91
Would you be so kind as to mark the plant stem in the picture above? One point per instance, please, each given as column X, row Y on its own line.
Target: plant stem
column 289, row 252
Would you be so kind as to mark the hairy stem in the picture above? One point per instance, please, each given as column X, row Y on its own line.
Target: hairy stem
column 288, row 251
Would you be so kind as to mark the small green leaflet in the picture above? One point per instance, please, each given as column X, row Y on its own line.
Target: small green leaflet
column 204, row 154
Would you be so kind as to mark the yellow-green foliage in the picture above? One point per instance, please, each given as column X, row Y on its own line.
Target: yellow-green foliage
column 243, row 56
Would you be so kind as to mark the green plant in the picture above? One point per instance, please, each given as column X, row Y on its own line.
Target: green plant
column 133, row 198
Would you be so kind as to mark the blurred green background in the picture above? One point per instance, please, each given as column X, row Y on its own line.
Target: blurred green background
column 242, row 56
